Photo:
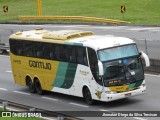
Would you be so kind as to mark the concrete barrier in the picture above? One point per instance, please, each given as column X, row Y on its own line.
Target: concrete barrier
column 155, row 66
column 4, row 49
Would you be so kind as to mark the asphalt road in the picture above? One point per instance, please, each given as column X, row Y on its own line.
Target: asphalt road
column 139, row 34
column 59, row 102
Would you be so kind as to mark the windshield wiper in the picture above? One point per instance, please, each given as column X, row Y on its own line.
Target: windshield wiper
column 126, row 68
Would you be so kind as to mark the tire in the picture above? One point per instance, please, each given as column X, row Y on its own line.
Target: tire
column 87, row 96
column 30, row 85
column 38, row 87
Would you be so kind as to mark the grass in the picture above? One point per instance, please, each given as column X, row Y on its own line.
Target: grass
column 137, row 11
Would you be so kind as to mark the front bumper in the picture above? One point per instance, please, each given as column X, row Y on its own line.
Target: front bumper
column 115, row 96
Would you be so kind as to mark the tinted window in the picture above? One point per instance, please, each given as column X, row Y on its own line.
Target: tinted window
column 27, row 48
column 81, row 55
column 59, row 52
column 61, row 49
column 16, row 47
column 93, row 62
column 49, row 51
column 71, row 54
column 38, row 49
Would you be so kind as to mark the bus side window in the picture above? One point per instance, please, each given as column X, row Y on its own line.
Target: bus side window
column 27, row 48
column 16, row 47
column 62, row 53
column 38, row 49
column 19, row 47
column 57, row 52
column 12, row 46
column 49, row 51
column 93, row 62
column 81, row 56
column 71, row 52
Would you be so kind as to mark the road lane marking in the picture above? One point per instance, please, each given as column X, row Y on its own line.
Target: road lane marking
column 21, row 93
column 152, row 75
column 103, row 110
column 76, row 104
column 138, row 118
column 48, row 98
column 9, row 71
column 155, row 30
column 3, row 89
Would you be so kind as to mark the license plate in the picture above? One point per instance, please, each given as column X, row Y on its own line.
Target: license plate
column 128, row 94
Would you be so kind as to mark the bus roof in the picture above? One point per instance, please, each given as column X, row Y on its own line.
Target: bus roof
column 77, row 37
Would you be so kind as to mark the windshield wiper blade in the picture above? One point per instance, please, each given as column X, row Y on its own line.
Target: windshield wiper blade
column 130, row 74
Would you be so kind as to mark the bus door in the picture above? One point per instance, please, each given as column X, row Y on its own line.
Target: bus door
column 93, row 62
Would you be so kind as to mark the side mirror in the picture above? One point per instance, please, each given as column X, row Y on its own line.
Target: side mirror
column 100, row 67
column 145, row 58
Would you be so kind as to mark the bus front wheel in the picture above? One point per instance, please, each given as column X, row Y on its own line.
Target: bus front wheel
column 30, row 85
column 87, row 96
column 38, row 87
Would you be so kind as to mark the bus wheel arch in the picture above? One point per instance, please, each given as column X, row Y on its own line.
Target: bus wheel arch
column 38, row 86
column 87, row 95
column 30, row 84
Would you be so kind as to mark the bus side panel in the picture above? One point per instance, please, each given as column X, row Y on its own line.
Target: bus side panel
column 16, row 68
column 71, row 78
column 82, row 77
column 49, row 76
column 65, row 77
column 35, row 68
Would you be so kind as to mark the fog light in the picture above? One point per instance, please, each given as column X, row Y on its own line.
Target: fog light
column 110, row 92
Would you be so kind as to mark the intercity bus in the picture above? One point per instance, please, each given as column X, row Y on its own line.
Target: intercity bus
column 78, row 63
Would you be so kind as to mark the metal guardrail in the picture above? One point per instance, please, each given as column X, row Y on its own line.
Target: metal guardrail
column 45, row 113
column 154, row 66
column 70, row 18
column 4, row 49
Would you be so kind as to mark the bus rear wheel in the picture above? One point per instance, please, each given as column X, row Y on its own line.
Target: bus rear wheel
column 30, row 85
column 38, row 87
column 87, row 96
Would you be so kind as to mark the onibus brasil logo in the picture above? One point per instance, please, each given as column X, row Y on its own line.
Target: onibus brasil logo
column 21, row 114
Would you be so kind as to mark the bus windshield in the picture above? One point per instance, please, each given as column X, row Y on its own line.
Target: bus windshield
column 121, row 64
column 117, row 52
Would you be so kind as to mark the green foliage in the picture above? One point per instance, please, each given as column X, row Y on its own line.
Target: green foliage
column 137, row 11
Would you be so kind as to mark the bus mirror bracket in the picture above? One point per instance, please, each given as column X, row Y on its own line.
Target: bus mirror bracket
column 100, row 67
column 145, row 58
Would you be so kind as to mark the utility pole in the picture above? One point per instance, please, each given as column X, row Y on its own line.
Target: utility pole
column 39, row 8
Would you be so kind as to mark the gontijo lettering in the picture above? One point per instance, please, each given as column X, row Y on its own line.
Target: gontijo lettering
column 38, row 64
